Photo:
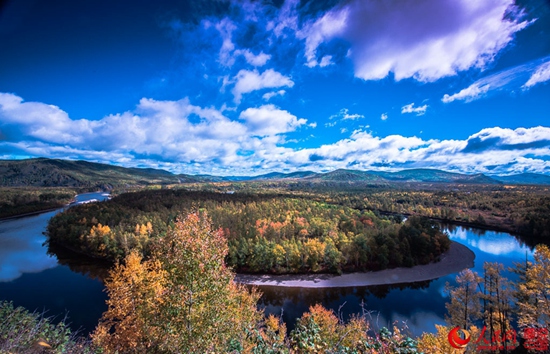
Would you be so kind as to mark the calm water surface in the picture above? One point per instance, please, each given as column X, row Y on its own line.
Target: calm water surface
column 419, row 305
column 31, row 278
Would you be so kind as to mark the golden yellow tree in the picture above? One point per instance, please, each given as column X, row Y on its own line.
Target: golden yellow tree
column 437, row 343
column 534, row 299
column 135, row 291
column 183, row 300
column 465, row 306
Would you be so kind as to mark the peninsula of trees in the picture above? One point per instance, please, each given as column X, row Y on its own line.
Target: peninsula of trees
column 266, row 233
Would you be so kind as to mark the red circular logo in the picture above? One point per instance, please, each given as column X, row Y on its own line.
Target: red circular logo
column 456, row 340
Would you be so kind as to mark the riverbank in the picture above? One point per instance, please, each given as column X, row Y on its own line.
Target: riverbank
column 32, row 213
column 41, row 209
column 456, row 259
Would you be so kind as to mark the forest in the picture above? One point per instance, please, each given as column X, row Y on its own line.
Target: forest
column 271, row 233
column 16, row 201
column 183, row 299
column 518, row 209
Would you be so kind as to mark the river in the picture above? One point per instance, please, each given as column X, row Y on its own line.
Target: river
column 65, row 286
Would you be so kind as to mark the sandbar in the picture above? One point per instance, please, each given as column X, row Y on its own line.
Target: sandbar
column 456, row 259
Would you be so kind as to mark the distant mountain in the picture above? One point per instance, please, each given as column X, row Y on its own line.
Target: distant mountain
column 524, row 178
column 42, row 172
column 280, row 175
column 433, row 175
column 342, row 175
column 52, row 172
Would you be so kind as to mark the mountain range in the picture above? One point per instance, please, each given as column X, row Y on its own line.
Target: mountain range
column 69, row 173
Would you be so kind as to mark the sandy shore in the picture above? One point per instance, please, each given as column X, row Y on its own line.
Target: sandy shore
column 458, row 257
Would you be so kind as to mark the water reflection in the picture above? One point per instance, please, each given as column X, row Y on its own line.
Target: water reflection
column 59, row 292
column 71, row 283
column 418, row 305
column 22, row 240
column 50, row 282
column 382, row 304
column 91, row 267
column 491, row 246
column 21, row 249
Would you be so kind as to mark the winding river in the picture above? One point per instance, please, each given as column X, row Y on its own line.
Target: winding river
column 64, row 286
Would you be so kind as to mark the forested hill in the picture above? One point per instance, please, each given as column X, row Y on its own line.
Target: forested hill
column 42, row 172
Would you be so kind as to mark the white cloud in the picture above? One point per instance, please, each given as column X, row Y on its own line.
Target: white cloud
column 508, row 139
column 330, row 25
column 384, row 116
column 287, row 19
column 468, row 94
column 159, row 129
column 252, row 59
column 40, row 121
column 508, row 79
column 345, row 115
column 228, row 52
column 183, row 137
column 326, row 61
column 270, row 120
column 433, row 38
column 226, row 28
column 542, row 74
column 410, row 108
column 519, row 150
column 269, row 95
column 248, row 81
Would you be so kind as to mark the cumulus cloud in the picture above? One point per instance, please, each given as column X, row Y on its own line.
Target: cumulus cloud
column 183, row 137
column 248, row 81
column 255, row 60
column 384, row 116
column 519, row 150
column 270, row 120
column 167, row 131
column 39, row 121
column 410, row 108
column 542, row 74
column 491, row 139
column 425, row 40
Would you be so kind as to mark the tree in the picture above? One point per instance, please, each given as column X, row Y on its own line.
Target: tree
column 182, row 300
column 496, row 297
column 534, row 299
column 436, row 343
column 135, row 291
column 465, row 307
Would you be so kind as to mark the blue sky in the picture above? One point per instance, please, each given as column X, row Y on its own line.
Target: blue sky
column 243, row 88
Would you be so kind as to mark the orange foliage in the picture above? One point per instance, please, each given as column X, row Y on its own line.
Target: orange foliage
column 135, row 291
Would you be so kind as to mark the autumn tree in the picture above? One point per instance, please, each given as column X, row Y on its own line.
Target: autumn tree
column 438, row 342
column 182, row 300
column 135, row 291
column 534, row 292
column 465, row 307
column 496, row 299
